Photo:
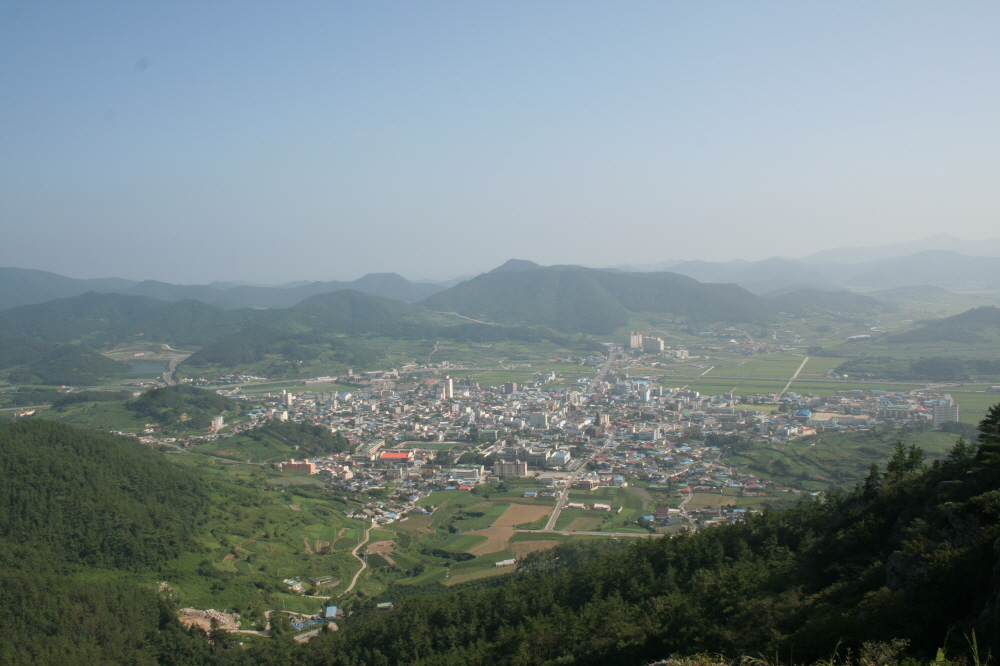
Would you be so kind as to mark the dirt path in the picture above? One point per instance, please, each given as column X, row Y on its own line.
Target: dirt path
column 364, row 565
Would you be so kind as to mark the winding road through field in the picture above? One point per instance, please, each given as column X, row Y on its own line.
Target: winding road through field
column 364, row 565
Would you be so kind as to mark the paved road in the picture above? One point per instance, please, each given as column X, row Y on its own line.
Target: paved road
column 168, row 376
column 582, row 467
column 795, row 376
column 684, row 513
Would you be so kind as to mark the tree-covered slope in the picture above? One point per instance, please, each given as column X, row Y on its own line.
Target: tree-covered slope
column 577, row 299
column 809, row 301
column 86, row 498
column 89, row 525
column 101, row 320
column 972, row 326
column 176, row 405
column 25, row 360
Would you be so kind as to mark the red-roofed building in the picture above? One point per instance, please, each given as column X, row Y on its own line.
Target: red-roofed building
column 396, row 456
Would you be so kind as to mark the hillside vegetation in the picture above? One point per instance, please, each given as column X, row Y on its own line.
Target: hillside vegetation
column 90, row 524
column 25, row 360
column 344, row 328
column 977, row 325
column 577, row 299
column 908, row 554
column 175, row 405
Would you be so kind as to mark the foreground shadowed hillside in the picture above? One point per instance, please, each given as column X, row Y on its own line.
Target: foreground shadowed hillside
column 911, row 554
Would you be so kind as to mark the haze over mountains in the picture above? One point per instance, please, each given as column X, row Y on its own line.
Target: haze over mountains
column 940, row 261
column 21, row 286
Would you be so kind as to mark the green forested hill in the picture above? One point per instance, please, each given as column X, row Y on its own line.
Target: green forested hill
column 101, row 320
column 334, row 327
column 188, row 405
column 89, row 523
column 577, row 299
column 977, row 325
column 809, row 301
column 27, row 360
column 86, row 498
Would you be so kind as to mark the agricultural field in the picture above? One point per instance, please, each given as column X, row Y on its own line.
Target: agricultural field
column 465, row 535
column 262, row 448
column 825, row 461
column 974, row 404
column 98, row 416
column 249, row 550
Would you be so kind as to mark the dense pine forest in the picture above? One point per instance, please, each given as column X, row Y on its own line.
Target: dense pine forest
column 911, row 555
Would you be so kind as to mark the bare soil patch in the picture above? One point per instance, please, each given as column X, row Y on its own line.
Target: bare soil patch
column 294, row 507
column 498, row 536
column 202, row 623
column 585, row 524
column 379, row 547
column 522, row 513
column 522, row 548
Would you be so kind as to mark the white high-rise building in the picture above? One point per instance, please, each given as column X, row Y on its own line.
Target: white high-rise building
column 635, row 340
column 945, row 410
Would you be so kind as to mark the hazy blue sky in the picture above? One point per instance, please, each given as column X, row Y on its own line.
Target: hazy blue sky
column 276, row 141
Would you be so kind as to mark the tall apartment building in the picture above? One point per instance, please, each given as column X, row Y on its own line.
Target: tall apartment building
column 447, row 388
column 652, row 345
column 510, row 468
column 945, row 410
column 635, row 340
column 510, row 387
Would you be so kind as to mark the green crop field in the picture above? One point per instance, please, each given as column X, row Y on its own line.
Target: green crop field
column 973, row 405
column 460, row 543
column 97, row 415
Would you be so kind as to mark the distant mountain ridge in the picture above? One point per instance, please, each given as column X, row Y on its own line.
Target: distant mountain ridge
column 978, row 325
column 932, row 267
column 591, row 300
column 21, row 286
